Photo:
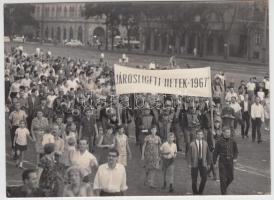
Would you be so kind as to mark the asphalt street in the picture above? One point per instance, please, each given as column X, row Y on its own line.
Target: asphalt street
column 252, row 172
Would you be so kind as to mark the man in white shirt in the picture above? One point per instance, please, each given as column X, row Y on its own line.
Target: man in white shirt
column 231, row 93
column 110, row 179
column 26, row 81
column 237, row 110
column 84, row 159
column 250, row 86
column 257, row 116
column 72, row 83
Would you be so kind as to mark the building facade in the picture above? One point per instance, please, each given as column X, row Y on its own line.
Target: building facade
column 248, row 37
column 248, row 34
column 65, row 21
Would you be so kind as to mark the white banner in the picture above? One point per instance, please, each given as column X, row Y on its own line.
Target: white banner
column 184, row 82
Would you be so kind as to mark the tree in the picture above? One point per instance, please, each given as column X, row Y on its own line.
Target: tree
column 107, row 9
column 129, row 17
column 16, row 16
column 221, row 9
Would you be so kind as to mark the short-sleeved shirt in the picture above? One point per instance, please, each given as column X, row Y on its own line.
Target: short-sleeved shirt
column 22, row 134
column 110, row 180
column 48, row 138
column 85, row 161
column 26, row 82
column 16, row 116
column 250, row 86
column 168, row 150
column 236, row 107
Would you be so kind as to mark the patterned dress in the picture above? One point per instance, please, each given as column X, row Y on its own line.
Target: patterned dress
column 151, row 153
column 50, row 178
column 121, row 146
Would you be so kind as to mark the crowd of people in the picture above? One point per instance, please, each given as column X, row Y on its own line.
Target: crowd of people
column 80, row 128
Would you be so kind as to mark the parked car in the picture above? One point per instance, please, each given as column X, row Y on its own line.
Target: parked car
column 6, row 39
column 74, row 43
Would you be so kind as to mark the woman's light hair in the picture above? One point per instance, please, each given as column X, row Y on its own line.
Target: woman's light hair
column 74, row 168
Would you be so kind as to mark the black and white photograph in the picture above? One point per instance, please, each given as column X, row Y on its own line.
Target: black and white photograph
column 136, row 98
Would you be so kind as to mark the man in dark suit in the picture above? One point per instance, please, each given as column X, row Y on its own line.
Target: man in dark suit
column 198, row 160
column 246, row 110
column 33, row 104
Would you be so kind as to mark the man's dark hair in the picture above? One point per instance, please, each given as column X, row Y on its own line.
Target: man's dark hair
column 114, row 151
column 26, row 173
column 49, row 148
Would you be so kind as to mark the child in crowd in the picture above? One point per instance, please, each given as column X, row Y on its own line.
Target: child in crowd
column 168, row 151
column 20, row 142
column 69, row 149
column 72, row 132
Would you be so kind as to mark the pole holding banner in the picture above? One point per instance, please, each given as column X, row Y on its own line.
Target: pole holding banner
column 212, row 121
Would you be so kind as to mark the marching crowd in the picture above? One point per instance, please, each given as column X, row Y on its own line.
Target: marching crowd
column 80, row 128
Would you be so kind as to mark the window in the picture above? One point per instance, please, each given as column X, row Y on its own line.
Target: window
column 258, row 39
column 58, row 11
column 65, row 12
column 53, row 12
column 38, row 11
column 256, row 55
column 71, row 11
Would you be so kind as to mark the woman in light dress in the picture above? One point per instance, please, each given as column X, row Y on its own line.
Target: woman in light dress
column 122, row 146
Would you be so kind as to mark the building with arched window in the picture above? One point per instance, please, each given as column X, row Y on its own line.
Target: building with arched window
column 65, row 21
column 204, row 32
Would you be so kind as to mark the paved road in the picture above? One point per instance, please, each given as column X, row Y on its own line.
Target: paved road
column 252, row 172
column 234, row 72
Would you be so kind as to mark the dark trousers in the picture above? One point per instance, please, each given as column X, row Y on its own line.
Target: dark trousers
column 225, row 173
column 236, row 121
column 245, row 124
column 12, row 134
column 194, row 176
column 137, row 134
column 212, row 169
column 103, row 193
column 256, row 127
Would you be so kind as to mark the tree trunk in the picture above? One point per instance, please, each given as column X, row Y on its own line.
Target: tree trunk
column 205, row 45
column 107, row 26
column 177, row 43
column 226, row 45
column 248, row 45
column 128, row 39
column 112, row 40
